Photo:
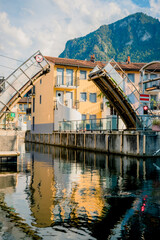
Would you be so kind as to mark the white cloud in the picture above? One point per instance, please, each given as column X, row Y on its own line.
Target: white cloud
column 12, row 35
column 47, row 25
column 155, row 8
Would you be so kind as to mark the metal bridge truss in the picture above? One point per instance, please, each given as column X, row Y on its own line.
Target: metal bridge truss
column 16, row 85
column 120, row 92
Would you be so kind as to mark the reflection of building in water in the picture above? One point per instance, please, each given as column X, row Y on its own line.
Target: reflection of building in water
column 24, row 161
column 42, row 189
column 63, row 192
column 8, row 182
column 68, row 185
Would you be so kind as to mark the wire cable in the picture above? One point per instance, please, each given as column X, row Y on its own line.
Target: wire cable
column 11, row 58
column 6, row 67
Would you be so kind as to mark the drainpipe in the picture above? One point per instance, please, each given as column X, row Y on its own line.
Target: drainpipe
column 76, row 86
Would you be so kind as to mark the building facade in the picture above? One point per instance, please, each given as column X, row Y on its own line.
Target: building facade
column 65, row 94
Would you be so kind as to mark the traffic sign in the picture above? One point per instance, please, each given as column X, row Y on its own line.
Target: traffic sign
column 39, row 58
column 144, row 98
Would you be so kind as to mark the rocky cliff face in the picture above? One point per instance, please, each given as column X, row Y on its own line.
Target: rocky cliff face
column 137, row 35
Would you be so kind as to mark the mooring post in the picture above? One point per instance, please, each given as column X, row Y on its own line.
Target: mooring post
column 95, row 141
column 121, row 142
column 144, row 144
column 137, row 142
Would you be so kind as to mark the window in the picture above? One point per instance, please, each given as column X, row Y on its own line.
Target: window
column 131, row 76
column 20, row 107
column 145, row 77
column 83, row 96
column 33, row 90
column 93, row 97
column 40, row 81
column 83, row 75
column 155, row 83
column 92, row 117
column 84, row 117
column 60, row 76
column 25, row 107
column 33, row 122
column 69, row 77
column 152, row 76
column 40, row 99
column 33, row 104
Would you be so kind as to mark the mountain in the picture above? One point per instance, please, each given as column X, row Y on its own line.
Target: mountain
column 137, row 35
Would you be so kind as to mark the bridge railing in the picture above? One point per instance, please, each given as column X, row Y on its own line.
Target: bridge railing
column 125, row 85
column 15, row 82
column 90, row 124
column 150, row 122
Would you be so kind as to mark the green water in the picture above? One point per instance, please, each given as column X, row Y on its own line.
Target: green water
column 58, row 193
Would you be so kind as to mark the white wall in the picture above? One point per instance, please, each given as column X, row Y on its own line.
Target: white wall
column 65, row 113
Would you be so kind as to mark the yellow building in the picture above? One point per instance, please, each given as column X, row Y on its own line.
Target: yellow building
column 65, row 94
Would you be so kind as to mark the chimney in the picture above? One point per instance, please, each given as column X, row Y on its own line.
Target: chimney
column 92, row 58
column 128, row 60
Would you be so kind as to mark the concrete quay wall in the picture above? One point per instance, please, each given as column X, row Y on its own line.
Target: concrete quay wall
column 132, row 143
column 9, row 139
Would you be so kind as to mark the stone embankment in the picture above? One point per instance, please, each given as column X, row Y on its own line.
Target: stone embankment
column 134, row 143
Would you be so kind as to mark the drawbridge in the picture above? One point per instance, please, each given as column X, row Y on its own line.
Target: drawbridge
column 120, row 92
column 16, row 85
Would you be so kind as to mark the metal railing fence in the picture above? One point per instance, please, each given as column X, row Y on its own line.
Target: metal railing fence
column 111, row 123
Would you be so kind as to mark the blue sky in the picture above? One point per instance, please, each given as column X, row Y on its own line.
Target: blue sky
column 142, row 3
column 46, row 25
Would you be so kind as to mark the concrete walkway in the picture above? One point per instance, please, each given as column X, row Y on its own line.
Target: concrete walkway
column 9, row 154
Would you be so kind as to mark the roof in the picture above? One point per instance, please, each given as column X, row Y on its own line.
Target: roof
column 88, row 64
column 137, row 66
column 73, row 62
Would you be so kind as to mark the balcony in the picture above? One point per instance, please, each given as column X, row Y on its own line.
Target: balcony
column 68, row 103
column 66, row 82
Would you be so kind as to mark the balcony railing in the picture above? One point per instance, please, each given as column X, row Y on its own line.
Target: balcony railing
column 68, row 103
column 108, row 124
column 59, row 81
column 69, row 81
column 66, row 81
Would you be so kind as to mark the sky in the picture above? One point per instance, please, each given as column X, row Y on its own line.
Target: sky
column 46, row 25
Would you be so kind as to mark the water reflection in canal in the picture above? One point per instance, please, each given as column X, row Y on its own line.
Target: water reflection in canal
column 67, row 194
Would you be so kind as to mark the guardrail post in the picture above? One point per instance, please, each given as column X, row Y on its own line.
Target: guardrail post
column 84, row 140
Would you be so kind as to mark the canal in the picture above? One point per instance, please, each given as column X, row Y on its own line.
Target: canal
column 59, row 193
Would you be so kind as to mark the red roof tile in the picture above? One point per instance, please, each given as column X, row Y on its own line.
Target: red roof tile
column 88, row 64
column 73, row 62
